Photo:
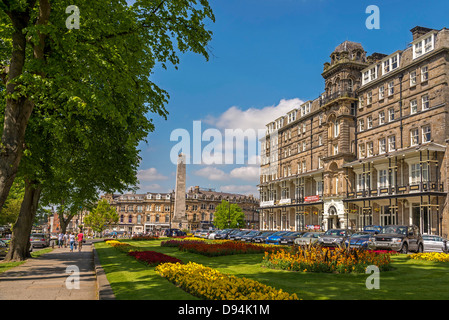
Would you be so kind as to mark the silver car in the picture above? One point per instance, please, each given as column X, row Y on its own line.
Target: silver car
column 435, row 244
column 39, row 240
column 308, row 238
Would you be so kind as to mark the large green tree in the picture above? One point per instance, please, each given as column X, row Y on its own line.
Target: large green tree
column 113, row 52
column 88, row 93
column 228, row 215
column 101, row 217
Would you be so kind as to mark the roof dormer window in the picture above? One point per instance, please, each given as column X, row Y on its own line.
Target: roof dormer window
column 423, row 46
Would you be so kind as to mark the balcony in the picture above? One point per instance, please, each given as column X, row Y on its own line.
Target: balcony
column 406, row 190
column 326, row 98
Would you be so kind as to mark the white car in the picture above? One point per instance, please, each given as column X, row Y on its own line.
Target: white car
column 435, row 244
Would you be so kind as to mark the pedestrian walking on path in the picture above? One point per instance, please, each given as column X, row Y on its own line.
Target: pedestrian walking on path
column 57, row 275
column 80, row 237
column 72, row 241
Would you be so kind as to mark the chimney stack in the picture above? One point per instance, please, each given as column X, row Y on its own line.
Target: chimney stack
column 419, row 31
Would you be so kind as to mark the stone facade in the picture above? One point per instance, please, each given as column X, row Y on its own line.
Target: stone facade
column 370, row 150
column 142, row 213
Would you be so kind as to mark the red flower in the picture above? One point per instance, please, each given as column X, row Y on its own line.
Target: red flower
column 153, row 258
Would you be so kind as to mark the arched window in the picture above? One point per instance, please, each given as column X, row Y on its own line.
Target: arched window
column 122, row 218
column 130, row 218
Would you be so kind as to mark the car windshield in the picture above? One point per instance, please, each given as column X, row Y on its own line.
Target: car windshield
column 251, row 233
column 37, row 235
column 294, row 234
column 358, row 235
column 335, row 232
column 372, row 228
column 394, row 229
column 307, row 235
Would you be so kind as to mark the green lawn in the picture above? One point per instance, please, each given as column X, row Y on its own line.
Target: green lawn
column 411, row 279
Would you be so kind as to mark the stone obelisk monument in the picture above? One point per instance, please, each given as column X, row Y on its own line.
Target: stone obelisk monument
column 179, row 214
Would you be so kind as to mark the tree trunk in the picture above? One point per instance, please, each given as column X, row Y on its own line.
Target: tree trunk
column 20, row 240
column 17, row 110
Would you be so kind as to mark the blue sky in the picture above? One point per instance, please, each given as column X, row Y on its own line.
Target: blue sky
column 267, row 57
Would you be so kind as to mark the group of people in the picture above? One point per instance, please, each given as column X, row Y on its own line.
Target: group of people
column 69, row 239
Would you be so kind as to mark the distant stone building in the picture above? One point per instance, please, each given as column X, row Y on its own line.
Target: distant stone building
column 141, row 213
column 371, row 149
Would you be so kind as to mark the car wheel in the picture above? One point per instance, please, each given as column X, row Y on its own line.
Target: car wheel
column 404, row 248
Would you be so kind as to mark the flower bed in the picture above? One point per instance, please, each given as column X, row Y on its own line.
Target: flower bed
column 222, row 248
column 210, row 284
column 431, row 256
column 153, row 258
column 123, row 247
column 319, row 259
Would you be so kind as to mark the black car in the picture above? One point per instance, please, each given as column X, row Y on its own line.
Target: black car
column 289, row 239
column 250, row 236
column 174, row 233
column 262, row 237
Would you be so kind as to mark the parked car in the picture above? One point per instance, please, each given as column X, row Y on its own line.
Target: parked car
column 290, row 238
column 435, row 244
column 212, row 234
column 372, row 228
column 197, row 233
column 3, row 248
column 174, row 233
column 39, row 240
column 250, row 236
column 308, row 238
column 238, row 235
column 204, row 234
column 276, row 237
column 397, row 238
column 225, row 233
column 358, row 240
column 262, row 237
column 334, row 237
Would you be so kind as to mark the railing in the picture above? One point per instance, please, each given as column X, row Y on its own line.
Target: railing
column 398, row 190
column 326, row 98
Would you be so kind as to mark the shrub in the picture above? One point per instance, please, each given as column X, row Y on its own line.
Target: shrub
column 321, row 259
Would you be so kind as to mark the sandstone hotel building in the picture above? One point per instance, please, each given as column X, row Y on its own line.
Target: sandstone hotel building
column 371, row 149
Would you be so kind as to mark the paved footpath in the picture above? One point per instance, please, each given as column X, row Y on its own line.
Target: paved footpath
column 50, row 276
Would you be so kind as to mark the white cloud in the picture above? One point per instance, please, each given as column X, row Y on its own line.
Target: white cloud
column 212, row 173
column 253, row 118
column 245, row 189
column 246, row 173
column 150, row 174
